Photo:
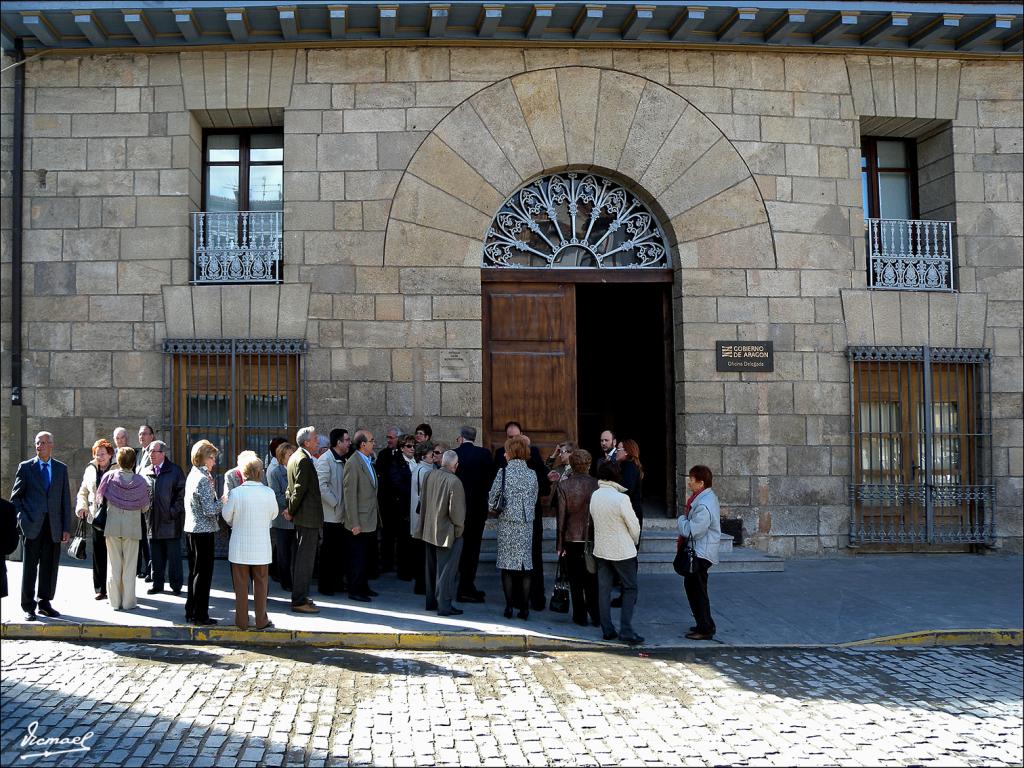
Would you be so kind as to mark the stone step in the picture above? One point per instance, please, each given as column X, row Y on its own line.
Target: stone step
column 738, row 560
column 652, row 541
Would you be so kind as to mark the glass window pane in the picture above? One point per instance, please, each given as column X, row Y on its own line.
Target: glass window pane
column 221, row 188
column 864, row 194
column 222, row 147
column 265, row 188
column 266, row 147
column 894, row 196
column 892, row 154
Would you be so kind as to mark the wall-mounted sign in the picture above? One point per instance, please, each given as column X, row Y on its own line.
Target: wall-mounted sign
column 744, row 356
column 454, row 365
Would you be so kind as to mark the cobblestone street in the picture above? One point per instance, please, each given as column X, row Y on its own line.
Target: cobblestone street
column 173, row 705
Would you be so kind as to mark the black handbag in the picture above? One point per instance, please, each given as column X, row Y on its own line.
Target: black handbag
column 499, row 503
column 685, row 562
column 77, row 546
column 589, row 561
column 100, row 521
column 560, row 594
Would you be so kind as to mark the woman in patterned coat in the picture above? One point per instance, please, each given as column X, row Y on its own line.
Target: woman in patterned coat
column 517, row 502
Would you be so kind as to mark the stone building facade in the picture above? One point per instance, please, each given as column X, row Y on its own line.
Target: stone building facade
column 398, row 157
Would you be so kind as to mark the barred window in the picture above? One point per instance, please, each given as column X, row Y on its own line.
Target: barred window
column 237, row 393
column 921, row 431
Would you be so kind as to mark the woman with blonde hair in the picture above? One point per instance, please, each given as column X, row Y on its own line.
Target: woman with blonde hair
column 88, row 507
column 202, row 513
column 514, row 497
column 127, row 497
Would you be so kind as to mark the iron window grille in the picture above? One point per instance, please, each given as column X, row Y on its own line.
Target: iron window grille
column 921, row 446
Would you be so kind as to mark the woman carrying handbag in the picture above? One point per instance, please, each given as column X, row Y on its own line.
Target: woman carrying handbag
column 700, row 525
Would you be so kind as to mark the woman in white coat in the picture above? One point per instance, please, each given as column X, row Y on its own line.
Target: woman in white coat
column 249, row 510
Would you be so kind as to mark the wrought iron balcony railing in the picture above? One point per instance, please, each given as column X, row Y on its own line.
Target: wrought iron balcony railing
column 910, row 255
column 237, row 247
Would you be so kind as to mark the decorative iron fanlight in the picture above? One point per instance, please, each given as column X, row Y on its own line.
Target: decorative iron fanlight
column 568, row 220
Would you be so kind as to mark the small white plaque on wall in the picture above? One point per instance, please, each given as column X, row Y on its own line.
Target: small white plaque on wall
column 454, row 365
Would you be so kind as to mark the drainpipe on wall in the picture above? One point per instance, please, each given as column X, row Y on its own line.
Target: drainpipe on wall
column 16, row 428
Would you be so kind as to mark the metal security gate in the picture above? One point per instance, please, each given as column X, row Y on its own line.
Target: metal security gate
column 921, row 446
column 237, row 393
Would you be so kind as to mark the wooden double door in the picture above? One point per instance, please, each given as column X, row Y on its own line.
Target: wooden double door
column 572, row 353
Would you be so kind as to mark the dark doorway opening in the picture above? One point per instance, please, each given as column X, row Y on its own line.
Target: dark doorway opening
column 624, row 378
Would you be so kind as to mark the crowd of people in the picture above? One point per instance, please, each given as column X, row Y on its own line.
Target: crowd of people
column 338, row 509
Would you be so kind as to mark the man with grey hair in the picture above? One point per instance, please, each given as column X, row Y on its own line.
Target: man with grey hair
column 305, row 510
column 165, row 520
column 42, row 499
column 476, row 471
column 442, row 521
column 120, row 438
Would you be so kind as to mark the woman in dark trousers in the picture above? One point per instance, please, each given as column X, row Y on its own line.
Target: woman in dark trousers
column 202, row 514
column 573, row 501
column 701, row 524
column 400, row 475
column 87, row 507
column 628, row 456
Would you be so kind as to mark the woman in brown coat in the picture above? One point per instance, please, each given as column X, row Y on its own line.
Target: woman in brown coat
column 573, row 500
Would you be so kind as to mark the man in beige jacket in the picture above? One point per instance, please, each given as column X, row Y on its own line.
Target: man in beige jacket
column 442, row 521
column 361, row 513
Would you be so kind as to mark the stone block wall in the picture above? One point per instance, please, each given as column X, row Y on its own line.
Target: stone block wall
column 397, row 158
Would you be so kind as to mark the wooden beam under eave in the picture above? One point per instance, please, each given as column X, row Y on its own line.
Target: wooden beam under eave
column 638, row 22
column 490, row 18
column 387, row 19
column 87, row 22
column 688, row 21
column 934, row 32
column 878, row 33
column 337, row 15
column 136, row 22
column 737, row 24
column 288, row 17
column 40, row 29
column 587, row 22
column 985, row 32
column 438, row 25
column 788, row 23
column 842, row 22
column 186, row 24
column 237, row 24
column 1013, row 44
column 539, row 20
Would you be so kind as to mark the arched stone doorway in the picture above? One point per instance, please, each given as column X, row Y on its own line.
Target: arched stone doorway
column 640, row 133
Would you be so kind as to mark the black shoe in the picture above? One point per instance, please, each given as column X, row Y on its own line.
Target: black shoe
column 451, row 612
column 523, row 614
column 617, row 602
column 155, row 591
column 595, row 622
column 431, row 607
column 633, row 640
column 360, row 598
column 204, row 622
column 539, row 606
column 329, row 593
column 508, row 612
column 581, row 622
column 176, row 591
column 371, row 593
column 47, row 610
column 700, row 636
column 31, row 616
column 469, row 599
column 148, row 578
column 613, row 635
column 693, row 628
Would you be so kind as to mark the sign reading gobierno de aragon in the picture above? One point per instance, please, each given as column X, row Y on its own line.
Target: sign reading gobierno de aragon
column 744, row 357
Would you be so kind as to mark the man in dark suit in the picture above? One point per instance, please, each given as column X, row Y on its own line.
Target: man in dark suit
column 538, row 601
column 361, row 514
column 387, row 501
column 306, row 511
column 476, row 471
column 165, row 520
column 42, row 497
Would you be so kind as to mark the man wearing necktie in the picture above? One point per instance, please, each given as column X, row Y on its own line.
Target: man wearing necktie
column 361, row 511
column 42, row 498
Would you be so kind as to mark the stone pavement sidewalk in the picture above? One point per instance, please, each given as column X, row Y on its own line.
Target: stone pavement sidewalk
column 813, row 602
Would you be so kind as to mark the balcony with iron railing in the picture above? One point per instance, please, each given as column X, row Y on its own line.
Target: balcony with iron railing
column 910, row 255
column 237, row 247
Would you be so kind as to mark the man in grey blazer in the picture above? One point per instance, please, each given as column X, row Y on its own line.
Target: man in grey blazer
column 361, row 513
column 42, row 498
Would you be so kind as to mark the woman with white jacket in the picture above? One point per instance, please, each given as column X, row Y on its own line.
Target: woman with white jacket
column 616, row 536
column 249, row 510
column 701, row 524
